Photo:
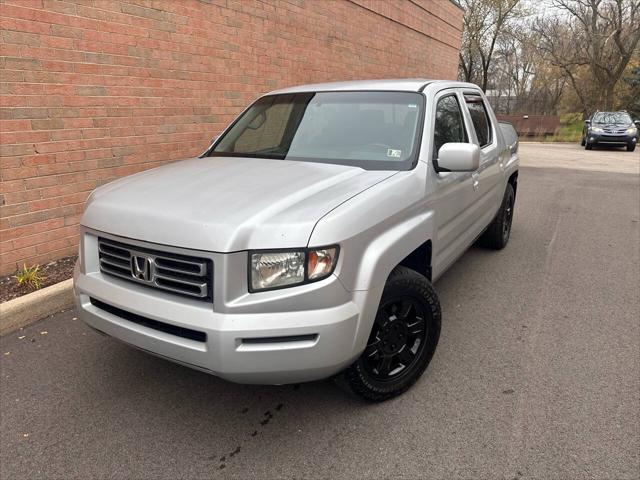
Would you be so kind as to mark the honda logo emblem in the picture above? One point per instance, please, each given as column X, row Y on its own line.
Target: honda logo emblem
column 142, row 268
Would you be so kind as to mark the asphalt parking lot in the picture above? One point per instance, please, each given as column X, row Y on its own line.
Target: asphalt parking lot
column 537, row 374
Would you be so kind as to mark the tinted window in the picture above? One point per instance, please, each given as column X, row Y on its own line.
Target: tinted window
column 372, row 130
column 480, row 119
column 449, row 125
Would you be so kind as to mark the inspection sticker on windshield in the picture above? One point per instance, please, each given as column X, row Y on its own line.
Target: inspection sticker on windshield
column 394, row 153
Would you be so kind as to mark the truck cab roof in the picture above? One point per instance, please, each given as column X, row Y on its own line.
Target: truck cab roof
column 401, row 85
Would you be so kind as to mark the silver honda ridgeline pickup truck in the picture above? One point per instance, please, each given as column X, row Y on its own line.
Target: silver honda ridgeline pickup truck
column 305, row 241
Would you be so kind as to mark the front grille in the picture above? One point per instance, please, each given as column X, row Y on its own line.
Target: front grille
column 178, row 274
column 149, row 323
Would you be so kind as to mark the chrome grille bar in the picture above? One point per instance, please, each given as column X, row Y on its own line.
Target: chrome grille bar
column 174, row 273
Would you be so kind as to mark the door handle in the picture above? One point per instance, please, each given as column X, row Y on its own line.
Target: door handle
column 476, row 182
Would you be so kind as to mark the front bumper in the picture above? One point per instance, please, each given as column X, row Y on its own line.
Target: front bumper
column 293, row 335
column 612, row 139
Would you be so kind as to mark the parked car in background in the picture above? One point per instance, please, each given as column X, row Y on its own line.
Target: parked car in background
column 610, row 128
column 305, row 241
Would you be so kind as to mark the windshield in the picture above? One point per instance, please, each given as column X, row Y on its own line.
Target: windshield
column 612, row 117
column 371, row 130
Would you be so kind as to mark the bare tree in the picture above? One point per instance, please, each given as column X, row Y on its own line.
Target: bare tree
column 522, row 79
column 483, row 24
column 561, row 47
column 601, row 35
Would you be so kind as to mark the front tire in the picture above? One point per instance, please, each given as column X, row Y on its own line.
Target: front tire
column 631, row 147
column 583, row 142
column 403, row 338
column 588, row 146
column 497, row 234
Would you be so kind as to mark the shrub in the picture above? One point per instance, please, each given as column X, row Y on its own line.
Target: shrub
column 29, row 277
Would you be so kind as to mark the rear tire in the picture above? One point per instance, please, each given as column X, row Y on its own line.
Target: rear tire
column 403, row 338
column 631, row 147
column 583, row 142
column 497, row 234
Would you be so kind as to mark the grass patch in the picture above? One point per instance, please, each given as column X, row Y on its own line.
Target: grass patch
column 29, row 277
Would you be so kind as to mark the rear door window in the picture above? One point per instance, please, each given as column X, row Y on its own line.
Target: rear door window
column 480, row 119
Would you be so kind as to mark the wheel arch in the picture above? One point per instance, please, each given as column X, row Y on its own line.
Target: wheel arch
column 513, row 181
column 407, row 243
column 419, row 260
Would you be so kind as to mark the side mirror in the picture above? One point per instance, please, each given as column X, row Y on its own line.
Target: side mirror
column 587, row 122
column 458, row 157
column 637, row 122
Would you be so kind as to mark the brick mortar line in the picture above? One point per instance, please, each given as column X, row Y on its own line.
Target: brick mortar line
column 81, row 171
column 105, row 74
column 89, row 170
column 90, row 85
column 59, row 142
column 42, row 210
column 196, row 29
column 80, row 161
column 93, row 128
column 44, row 94
column 458, row 29
column 79, row 62
column 53, row 254
column 119, row 12
column 44, row 241
column 69, row 247
column 67, row 129
column 354, row 2
column 72, row 239
column 97, row 138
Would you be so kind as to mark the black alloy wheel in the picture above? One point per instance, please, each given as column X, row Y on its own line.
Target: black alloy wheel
column 396, row 340
column 508, row 218
column 497, row 234
column 402, row 340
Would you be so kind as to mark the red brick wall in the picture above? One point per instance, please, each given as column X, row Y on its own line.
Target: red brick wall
column 96, row 89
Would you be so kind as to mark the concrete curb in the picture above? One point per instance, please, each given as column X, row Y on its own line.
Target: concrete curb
column 31, row 307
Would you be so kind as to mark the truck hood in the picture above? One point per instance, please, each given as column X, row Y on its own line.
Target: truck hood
column 225, row 204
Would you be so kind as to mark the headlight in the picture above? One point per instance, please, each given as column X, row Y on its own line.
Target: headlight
column 596, row 129
column 632, row 130
column 287, row 268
